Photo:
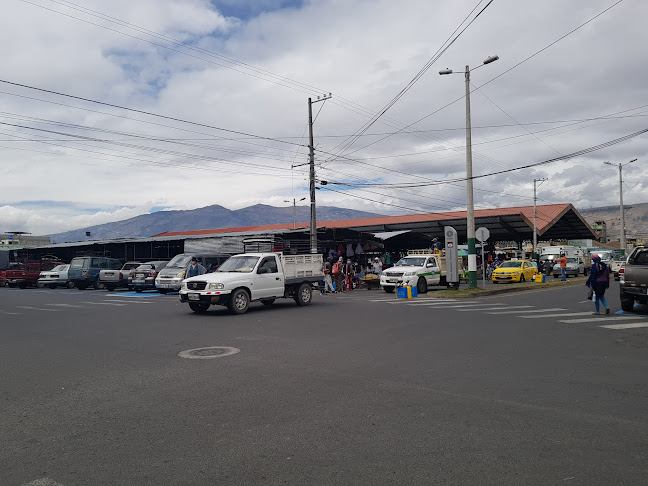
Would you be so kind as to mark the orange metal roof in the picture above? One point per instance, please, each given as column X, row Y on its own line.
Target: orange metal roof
column 547, row 215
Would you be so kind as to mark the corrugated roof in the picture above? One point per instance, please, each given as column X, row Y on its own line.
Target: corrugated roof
column 547, row 215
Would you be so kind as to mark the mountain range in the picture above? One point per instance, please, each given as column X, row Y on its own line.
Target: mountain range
column 208, row 217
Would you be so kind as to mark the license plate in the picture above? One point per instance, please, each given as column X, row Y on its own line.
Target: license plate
column 164, row 286
column 393, row 280
column 138, row 281
column 139, row 275
column 193, row 296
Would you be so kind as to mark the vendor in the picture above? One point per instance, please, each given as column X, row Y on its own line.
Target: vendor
column 377, row 266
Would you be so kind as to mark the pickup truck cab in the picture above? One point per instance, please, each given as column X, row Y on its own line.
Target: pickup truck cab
column 420, row 269
column 27, row 274
column 253, row 277
column 633, row 286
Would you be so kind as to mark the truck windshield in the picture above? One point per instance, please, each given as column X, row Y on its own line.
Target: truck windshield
column 243, row 264
column 639, row 258
column 411, row 262
column 179, row 261
column 544, row 258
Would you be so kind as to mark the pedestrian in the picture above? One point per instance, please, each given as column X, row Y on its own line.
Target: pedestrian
column 195, row 268
column 599, row 281
column 563, row 267
column 328, row 282
column 349, row 273
column 338, row 275
column 377, row 266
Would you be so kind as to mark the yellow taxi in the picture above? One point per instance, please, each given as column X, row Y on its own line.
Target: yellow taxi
column 514, row 271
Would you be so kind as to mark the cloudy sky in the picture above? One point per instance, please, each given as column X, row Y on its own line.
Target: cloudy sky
column 205, row 102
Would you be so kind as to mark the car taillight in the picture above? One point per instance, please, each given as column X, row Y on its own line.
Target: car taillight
column 152, row 273
column 121, row 275
column 621, row 270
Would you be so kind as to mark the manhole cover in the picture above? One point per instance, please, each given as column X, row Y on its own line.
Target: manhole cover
column 209, row 353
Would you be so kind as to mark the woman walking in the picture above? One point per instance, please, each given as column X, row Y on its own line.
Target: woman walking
column 599, row 281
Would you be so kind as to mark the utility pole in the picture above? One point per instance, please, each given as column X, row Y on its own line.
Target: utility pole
column 535, row 216
column 622, row 235
column 313, row 219
column 470, row 209
column 294, row 201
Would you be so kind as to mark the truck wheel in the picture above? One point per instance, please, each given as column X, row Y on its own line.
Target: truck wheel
column 268, row 301
column 627, row 305
column 40, row 285
column 69, row 284
column 239, row 302
column 98, row 285
column 421, row 286
column 389, row 290
column 304, row 294
column 198, row 307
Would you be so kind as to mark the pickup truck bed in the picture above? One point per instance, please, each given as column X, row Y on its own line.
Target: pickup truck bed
column 634, row 284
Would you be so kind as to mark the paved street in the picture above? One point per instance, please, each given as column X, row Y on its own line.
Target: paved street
column 515, row 389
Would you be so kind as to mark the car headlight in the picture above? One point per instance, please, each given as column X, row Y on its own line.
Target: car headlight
column 215, row 286
column 409, row 274
column 180, row 274
column 183, row 285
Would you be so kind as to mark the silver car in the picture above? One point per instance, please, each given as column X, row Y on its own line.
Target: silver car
column 57, row 276
column 575, row 268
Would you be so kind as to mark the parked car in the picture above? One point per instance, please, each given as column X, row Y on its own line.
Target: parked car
column 57, row 276
column 514, row 271
column 143, row 277
column 26, row 274
column 170, row 278
column 112, row 279
column 84, row 271
column 615, row 266
column 575, row 268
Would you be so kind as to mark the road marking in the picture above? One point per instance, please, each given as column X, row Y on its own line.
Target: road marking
column 130, row 301
column 104, row 303
column 11, row 313
column 564, row 314
column 446, row 304
column 626, row 326
column 503, row 307
column 527, row 311
column 37, row 308
column 602, row 317
column 43, row 482
column 68, row 305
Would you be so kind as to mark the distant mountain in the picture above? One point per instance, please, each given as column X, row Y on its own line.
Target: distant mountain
column 635, row 215
column 204, row 218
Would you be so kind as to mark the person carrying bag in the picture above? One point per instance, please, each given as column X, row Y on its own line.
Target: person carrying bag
column 598, row 282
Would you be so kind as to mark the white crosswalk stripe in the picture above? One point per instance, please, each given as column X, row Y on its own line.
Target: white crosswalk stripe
column 561, row 314
column 525, row 311
column 68, row 305
column 131, row 301
column 599, row 319
column 633, row 325
column 104, row 303
column 463, row 309
column 10, row 313
column 29, row 307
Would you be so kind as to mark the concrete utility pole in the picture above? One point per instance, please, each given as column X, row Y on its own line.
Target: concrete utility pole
column 294, row 201
column 535, row 215
column 470, row 209
column 311, row 146
column 622, row 235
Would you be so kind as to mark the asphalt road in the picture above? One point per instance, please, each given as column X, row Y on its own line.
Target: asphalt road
column 356, row 389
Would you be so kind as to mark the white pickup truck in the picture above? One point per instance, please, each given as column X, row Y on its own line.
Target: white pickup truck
column 249, row 277
column 420, row 269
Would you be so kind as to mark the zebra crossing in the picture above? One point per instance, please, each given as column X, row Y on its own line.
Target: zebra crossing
column 620, row 320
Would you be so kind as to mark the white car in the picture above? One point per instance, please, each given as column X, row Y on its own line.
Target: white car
column 615, row 265
column 55, row 277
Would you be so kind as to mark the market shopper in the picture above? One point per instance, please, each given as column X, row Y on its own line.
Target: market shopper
column 328, row 281
column 338, row 274
column 599, row 281
column 349, row 273
column 377, row 266
column 563, row 267
column 195, row 268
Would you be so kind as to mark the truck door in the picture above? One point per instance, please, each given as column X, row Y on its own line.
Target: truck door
column 268, row 281
column 433, row 271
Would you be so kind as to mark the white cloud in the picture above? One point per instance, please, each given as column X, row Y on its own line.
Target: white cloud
column 363, row 52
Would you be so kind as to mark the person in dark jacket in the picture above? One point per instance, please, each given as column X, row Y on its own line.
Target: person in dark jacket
column 599, row 281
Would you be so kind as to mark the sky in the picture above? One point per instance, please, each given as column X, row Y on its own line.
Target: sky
column 109, row 110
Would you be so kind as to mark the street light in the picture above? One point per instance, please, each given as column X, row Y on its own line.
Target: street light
column 470, row 210
column 294, row 210
column 622, row 237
